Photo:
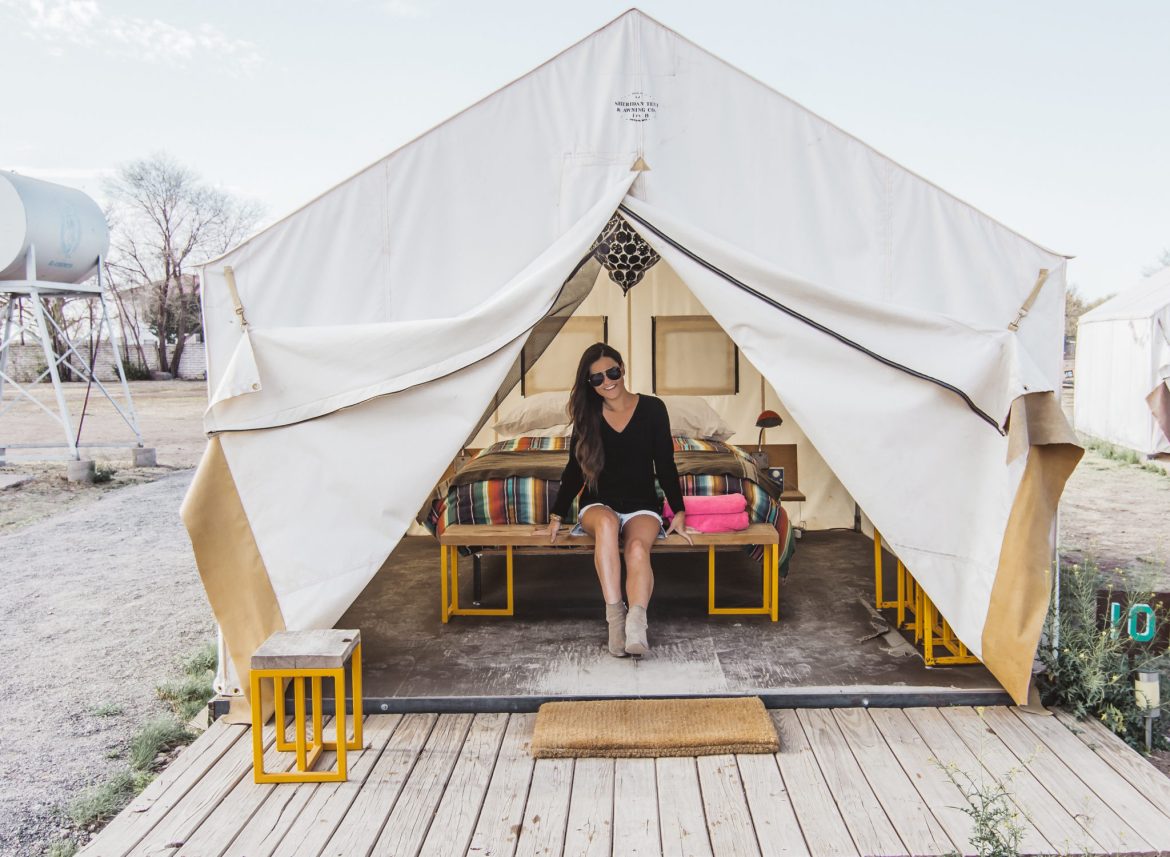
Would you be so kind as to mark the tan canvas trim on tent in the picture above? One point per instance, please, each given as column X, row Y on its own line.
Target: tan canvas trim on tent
column 1159, row 402
column 233, row 573
column 1023, row 581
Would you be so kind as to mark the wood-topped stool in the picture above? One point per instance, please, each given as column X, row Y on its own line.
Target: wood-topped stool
column 313, row 655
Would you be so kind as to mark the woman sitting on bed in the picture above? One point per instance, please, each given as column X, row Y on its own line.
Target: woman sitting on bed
column 621, row 442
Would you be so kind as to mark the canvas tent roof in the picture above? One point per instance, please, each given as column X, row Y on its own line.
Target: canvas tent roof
column 1122, row 367
column 384, row 316
column 1145, row 299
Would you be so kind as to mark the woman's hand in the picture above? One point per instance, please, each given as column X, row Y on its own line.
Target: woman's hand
column 554, row 527
column 678, row 524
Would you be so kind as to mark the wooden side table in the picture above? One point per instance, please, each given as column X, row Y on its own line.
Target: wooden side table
column 297, row 656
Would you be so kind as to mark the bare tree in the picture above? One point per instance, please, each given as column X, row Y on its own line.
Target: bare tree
column 163, row 216
column 1075, row 306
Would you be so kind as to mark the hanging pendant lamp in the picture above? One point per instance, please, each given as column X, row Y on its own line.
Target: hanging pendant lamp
column 623, row 253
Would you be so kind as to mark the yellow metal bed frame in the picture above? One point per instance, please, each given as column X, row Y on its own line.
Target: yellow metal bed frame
column 917, row 613
column 521, row 535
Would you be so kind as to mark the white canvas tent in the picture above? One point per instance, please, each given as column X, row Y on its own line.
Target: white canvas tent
column 1123, row 367
column 385, row 318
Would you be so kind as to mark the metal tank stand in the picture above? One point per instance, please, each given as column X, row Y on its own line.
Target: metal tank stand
column 44, row 327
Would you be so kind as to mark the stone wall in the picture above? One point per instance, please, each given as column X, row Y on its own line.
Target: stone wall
column 26, row 361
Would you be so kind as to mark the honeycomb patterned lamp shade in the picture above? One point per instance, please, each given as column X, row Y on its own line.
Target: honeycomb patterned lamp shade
column 623, row 253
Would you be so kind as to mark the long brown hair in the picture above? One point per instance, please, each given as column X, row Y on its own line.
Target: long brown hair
column 585, row 410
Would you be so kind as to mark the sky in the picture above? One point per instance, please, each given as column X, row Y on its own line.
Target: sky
column 1052, row 117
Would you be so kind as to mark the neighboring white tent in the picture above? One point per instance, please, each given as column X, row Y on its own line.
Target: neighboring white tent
column 1122, row 367
column 386, row 318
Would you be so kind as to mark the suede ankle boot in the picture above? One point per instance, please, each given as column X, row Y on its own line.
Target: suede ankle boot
column 636, row 631
column 615, row 615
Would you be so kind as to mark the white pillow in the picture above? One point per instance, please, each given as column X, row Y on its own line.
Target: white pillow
column 533, row 413
column 691, row 416
column 546, row 415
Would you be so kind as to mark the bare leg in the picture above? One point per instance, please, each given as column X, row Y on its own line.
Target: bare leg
column 601, row 523
column 639, row 535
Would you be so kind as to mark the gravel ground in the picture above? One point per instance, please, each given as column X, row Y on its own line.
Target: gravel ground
column 101, row 604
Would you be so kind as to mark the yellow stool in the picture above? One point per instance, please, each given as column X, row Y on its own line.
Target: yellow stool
column 296, row 656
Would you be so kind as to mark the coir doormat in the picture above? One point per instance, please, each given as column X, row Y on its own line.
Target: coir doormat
column 653, row 727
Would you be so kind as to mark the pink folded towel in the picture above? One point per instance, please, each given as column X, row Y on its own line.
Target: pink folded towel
column 722, row 513
column 719, row 504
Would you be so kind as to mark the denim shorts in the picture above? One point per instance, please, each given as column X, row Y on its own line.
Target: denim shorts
column 578, row 530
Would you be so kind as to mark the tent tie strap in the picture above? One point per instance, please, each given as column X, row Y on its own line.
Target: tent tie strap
column 229, row 277
column 1027, row 305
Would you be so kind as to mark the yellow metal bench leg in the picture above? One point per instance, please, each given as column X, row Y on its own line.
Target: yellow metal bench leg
column 339, row 719
column 355, row 667
column 257, row 732
column 775, row 582
column 299, row 726
column 710, row 580
column 282, row 743
column 510, row 594
column 317, row 700
column 443, row 582
column 454, row 565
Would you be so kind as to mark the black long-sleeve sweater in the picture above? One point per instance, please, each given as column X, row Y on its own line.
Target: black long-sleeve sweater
column 633, row 457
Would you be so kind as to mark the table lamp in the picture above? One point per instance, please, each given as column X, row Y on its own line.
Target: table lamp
column 765, row 421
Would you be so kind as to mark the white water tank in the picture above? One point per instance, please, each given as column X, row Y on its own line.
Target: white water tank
column 66, row 226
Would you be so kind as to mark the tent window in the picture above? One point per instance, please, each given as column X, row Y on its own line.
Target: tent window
column 567, row 339
column 693, row 356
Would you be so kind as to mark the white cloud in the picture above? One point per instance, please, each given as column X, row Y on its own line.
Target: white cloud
column 82, row 22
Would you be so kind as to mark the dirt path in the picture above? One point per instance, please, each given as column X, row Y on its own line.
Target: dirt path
column 101, row 602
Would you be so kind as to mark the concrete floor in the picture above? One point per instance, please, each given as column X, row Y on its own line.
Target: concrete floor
column 829, row 647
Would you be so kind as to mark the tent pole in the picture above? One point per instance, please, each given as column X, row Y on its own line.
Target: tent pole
column 1056, row 594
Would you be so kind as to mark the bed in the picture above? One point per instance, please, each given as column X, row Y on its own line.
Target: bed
column 515, row 482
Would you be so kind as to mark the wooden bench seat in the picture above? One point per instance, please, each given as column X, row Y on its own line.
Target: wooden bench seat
column 510, row 537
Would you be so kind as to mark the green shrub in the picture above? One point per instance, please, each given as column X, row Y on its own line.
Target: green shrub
column 101, row 803
column 202, row 660
column 1092, row 673
column 107, row 709
column 157, row 736
column 103, row 472
column 134, row 371
column 186, row 696
column 62, row 848
column 995, row 829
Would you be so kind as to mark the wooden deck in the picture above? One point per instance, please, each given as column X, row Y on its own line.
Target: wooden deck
column 846, row 781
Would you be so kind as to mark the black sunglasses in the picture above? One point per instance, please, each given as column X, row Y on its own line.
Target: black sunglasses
column 612, row 373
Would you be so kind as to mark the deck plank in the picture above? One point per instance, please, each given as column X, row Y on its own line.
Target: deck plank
column 863, row 813
column 680, row 808
column 590, row 827
column 729, row 821
column 546, row 813
column 1122, row 797
column 308, row 813
column 1121, row 757
column 1109, row 829
column 907, row 811
column 413, row 812
column 635, row 808
column 462, row 799
column 127, row 828
column 820, row 819
column 498, row 828
column 202, row 799
column 235, row 811
column 1066, row 832
column 358, row 830
column 982, row 759
column 932, row 783
column 777, row 829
